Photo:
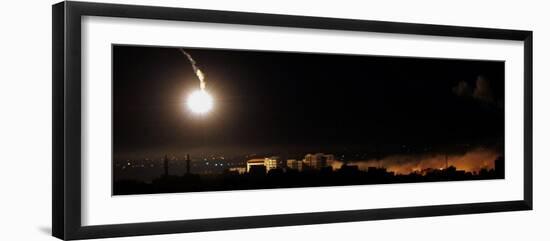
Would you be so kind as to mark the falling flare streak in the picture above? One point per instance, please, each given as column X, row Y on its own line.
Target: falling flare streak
column 199, row 101
column 198, row 72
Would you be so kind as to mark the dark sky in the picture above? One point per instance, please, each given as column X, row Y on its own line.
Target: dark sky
column 274, row 102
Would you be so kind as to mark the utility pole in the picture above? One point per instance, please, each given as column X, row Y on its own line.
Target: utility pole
column 187, row 164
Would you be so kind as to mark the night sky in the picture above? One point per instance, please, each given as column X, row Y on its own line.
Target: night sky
column 295, row 103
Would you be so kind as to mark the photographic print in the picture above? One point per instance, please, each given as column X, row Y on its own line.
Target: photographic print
column 198, row 119
column 182, row 109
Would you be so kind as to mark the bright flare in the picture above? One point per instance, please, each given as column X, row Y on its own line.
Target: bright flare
column 200, row 102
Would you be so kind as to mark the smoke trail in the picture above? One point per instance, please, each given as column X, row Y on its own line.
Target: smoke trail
column 198, row 72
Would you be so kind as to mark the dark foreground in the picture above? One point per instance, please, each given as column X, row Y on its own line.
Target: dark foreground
column 277, row 178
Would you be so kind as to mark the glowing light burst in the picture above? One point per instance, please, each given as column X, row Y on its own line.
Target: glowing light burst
column 200, row 102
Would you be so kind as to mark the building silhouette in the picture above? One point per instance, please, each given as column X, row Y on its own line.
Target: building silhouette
column 499, row 167
column 318, row 160
column 254, row 162
column 294, row 164
column 269, row 163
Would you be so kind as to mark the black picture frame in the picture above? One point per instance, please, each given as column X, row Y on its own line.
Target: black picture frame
column 66, row 47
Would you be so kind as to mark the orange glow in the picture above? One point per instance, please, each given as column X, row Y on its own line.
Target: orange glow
column 471, row 161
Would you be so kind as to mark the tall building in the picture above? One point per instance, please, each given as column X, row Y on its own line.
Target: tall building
column 269, row 163
column 294, row 164
column 318, row 160
column 254, row 162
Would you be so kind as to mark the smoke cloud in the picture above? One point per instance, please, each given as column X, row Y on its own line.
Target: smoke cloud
column 198, row 72
column 482, row 90
column 462, row 89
